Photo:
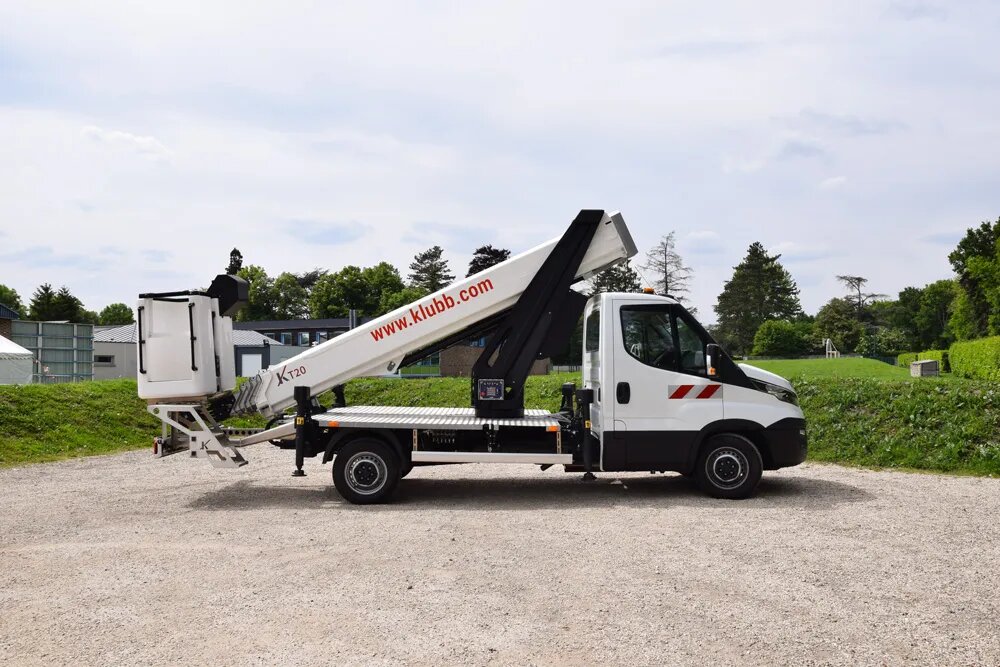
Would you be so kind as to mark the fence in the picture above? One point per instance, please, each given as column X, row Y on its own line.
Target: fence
column 63, row 352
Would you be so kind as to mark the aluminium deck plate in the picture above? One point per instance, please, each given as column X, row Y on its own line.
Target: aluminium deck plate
column 455, row 419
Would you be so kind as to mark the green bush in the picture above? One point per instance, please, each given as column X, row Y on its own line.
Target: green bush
column 780, row 338
column 979, row 359
column 930, row 424
column 907, row 358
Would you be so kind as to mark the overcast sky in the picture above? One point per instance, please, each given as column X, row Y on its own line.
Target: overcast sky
column 140, row 142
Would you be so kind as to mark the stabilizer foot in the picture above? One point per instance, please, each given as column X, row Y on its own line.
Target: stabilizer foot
column 299, row 473
column 589, row 477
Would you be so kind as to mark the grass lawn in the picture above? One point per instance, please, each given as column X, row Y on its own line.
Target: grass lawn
column 48, row 422
column 859, row 412
column 841, row 368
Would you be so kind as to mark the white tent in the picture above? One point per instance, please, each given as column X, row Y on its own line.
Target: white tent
column 16, row 363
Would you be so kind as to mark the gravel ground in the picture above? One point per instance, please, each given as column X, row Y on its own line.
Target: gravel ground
column 130, row 560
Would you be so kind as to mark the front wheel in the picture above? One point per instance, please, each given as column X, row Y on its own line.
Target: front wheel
column 366, row 471
column 729, row 466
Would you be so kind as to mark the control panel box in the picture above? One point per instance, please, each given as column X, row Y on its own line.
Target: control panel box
column 490, row 390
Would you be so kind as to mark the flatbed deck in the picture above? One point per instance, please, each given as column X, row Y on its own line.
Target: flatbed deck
column 456, row 419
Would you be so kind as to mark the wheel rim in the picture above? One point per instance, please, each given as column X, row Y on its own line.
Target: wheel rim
column 366, row 473
column 727, row 467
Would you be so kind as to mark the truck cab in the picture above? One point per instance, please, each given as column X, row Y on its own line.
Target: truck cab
column 667, row 397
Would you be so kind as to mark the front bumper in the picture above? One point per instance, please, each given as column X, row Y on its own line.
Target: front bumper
column 786, row 443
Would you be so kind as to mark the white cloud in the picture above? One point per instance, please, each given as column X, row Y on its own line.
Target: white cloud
column 833, row 183
column 793, row 251
column 735, row 165
column 148, row 147
column 702, row 242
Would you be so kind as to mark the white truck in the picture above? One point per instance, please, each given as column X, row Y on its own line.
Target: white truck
column 658, row 393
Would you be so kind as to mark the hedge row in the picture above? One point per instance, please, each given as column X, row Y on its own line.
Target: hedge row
column 976, row 358
column 943, row 357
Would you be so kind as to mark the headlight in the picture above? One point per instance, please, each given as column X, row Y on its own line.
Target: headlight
column 780, row 393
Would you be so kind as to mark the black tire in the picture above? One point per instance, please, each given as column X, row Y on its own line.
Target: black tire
column 366, row 471
column 407, row 469
column 729, row 466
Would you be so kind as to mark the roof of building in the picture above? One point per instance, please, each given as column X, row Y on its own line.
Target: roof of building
column 127, row 334
column 8, row 313
column 245, row 338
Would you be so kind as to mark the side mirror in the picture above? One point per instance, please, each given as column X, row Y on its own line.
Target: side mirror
column 713, row 353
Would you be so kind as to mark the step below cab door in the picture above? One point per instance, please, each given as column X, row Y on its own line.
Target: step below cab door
column 662, row 395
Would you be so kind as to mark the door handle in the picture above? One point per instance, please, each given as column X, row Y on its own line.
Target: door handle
column 623, row 392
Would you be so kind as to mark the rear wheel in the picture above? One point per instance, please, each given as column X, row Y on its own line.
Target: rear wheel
column 729, row 466
column 366, row 471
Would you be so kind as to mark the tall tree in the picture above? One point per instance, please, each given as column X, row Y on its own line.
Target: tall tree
column 392, row 300
column 353, row 287
column 962, row 323
column 486, row 256
column 903, row 316
column 67, row 306
column 335, row 294
column 382, row 279
column 429, row 270
column 838, row 321
column 673, row 277
column 855, row 285
column 42, row 305
column 619, row 278
column 260, row 305
column 308, row 279
column 979, row 243
column 47, row 304
column 235, row 262
column 290, row 299
column 10, row 298
column 935, row 311
column 116, row 313
column 760, row 290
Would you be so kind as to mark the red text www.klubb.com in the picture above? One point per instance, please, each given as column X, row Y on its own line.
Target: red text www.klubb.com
column 438, row 304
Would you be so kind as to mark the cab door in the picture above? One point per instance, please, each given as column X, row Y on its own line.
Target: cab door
column 662, row 396
column 594, row 369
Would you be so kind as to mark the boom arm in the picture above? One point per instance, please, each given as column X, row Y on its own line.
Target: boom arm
column 185, row 349
column 379, row 346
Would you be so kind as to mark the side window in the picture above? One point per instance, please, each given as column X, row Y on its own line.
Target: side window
column 692, row 349
column 648, row 335
column 593, row 327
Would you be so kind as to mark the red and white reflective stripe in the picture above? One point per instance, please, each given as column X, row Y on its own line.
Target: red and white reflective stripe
column 695, row 391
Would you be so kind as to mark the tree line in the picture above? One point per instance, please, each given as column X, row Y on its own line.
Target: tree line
column 47, row 304
column 758, row 310
column 369, row 291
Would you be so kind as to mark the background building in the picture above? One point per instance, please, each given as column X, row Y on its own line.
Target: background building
column 7, row 315
column 302, row 333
